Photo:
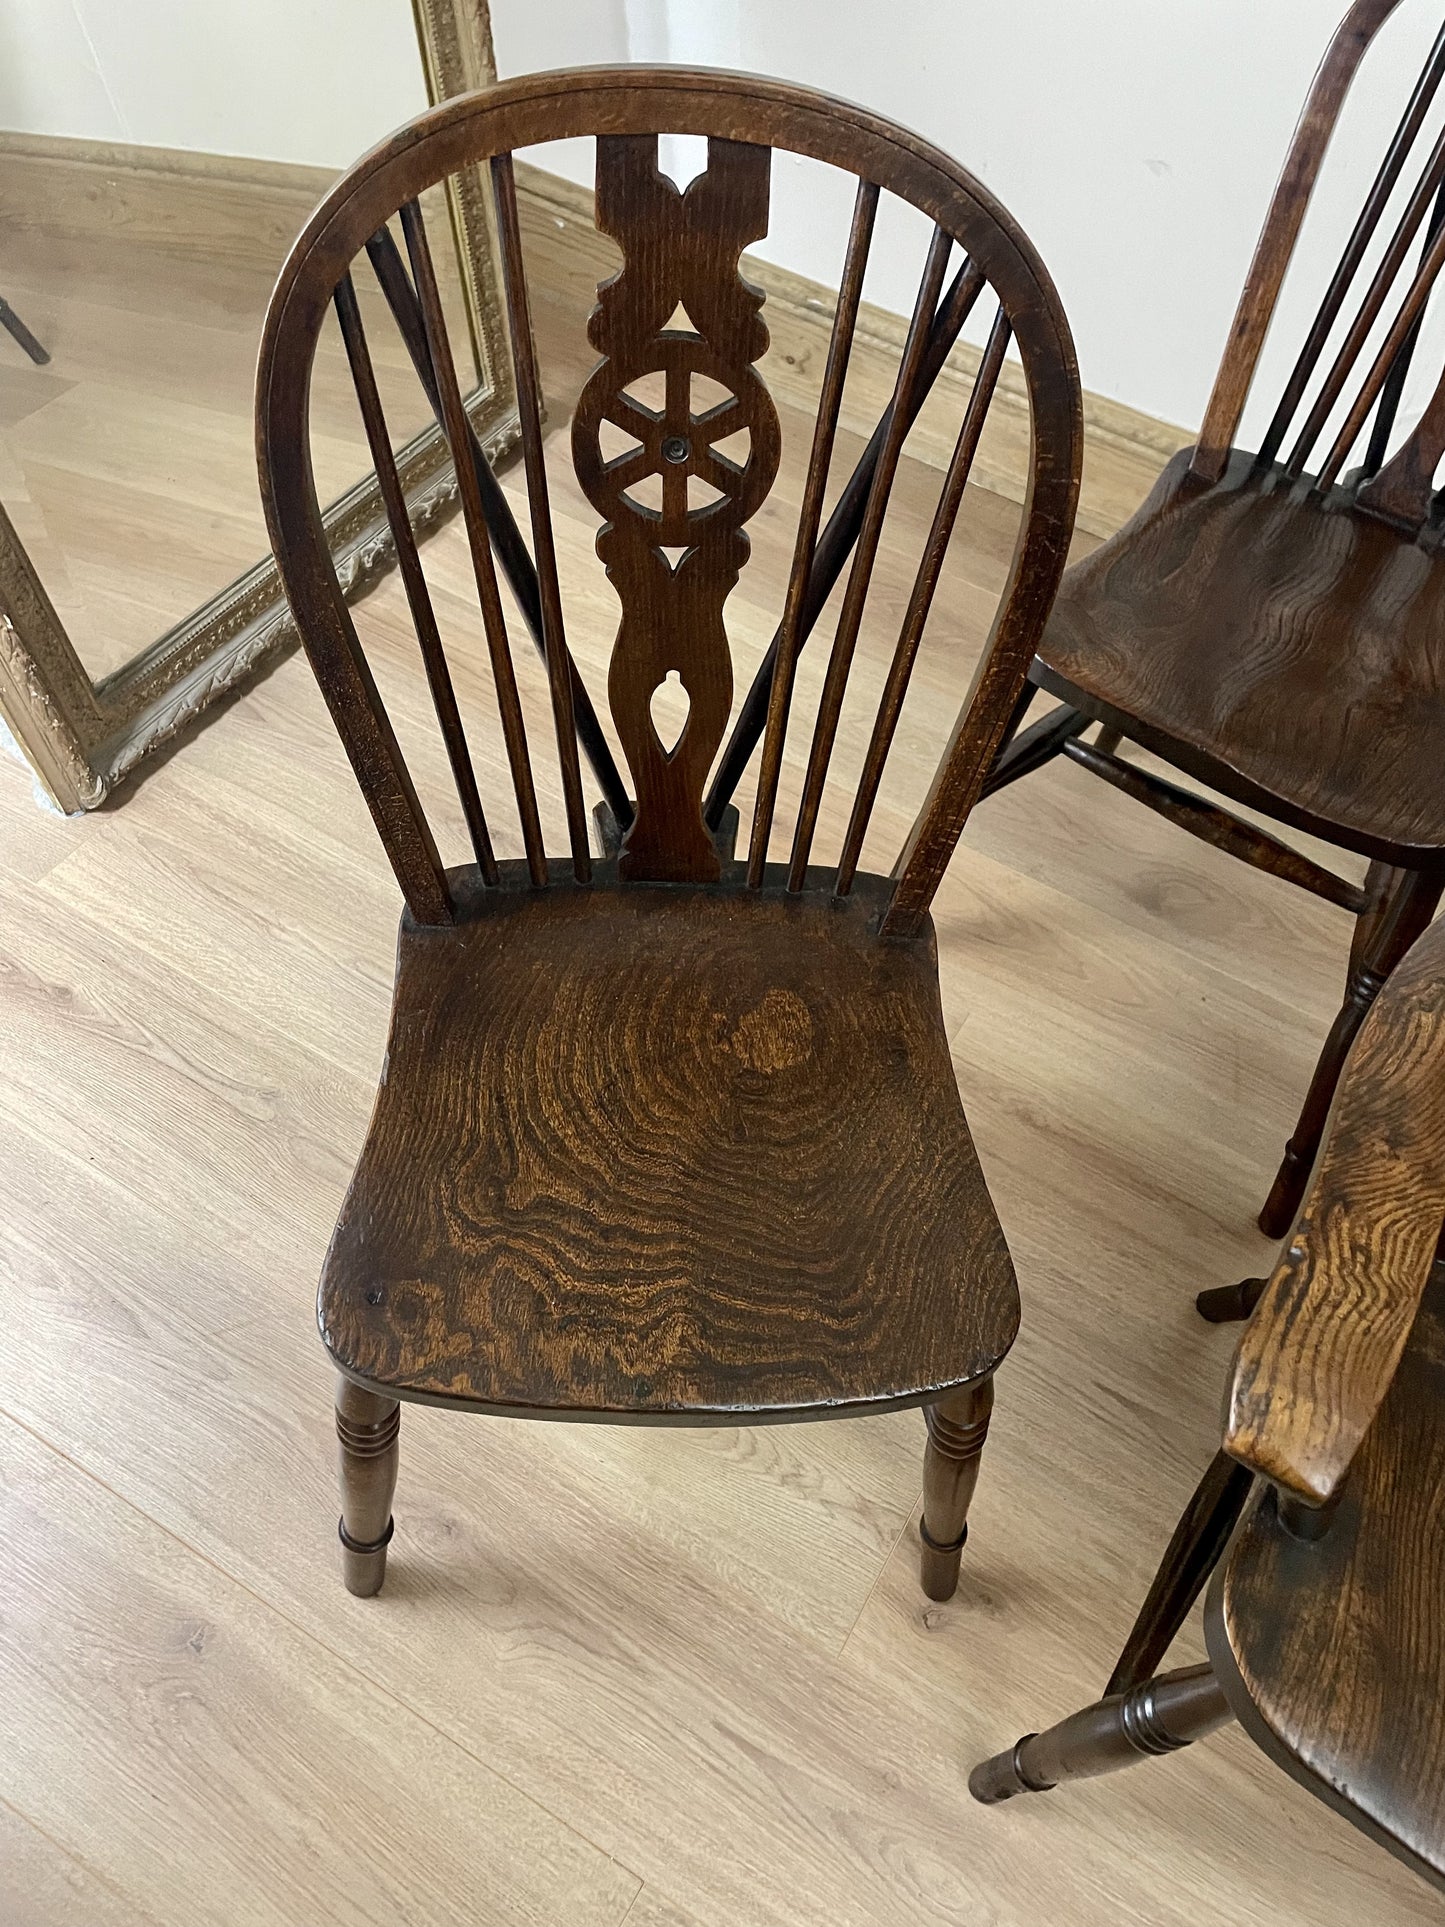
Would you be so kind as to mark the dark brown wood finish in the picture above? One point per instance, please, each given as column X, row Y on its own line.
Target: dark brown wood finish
column 367, row 1429
column 1270, row 631
column 1158, row 1716
column 689, row 1153
column 511, row 551
column 549, row 592
column 673, row 1137
column 1191, row 1555
column 459, row 441
column 1331, row 1649
column 790, row 634
column 680, row 248
column 1281, row 229
column 840, row 532
column 957, row 1430
column 1323, row 1614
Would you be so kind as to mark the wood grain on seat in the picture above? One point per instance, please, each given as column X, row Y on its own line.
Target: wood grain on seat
column 1281, row 645
column 674, row 1153
column 1332, row 1651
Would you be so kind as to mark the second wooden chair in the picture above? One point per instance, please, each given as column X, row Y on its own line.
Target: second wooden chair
column 1274, row 625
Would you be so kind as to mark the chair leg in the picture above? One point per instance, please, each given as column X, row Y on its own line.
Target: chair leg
column 367, row 1426
column 957, row 1428
column 1399, row 904
column 1191, row 1555
column 1159, row 1716
column 1108, row 740
column 1040, row 743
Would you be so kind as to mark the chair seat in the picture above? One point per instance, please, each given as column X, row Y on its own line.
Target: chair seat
column 668, row 1152
column 1332, row 1652
column 1285, row 651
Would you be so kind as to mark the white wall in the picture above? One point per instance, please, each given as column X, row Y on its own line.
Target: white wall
column 1137, row 141
column 301, row 80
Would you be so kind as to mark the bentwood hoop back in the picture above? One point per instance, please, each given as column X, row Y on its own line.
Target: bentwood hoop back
column 667, row 1134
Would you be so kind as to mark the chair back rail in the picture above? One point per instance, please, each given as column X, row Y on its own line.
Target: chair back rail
column 675, row 502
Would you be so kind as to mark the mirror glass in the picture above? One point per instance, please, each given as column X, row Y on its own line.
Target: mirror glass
column 155, row 164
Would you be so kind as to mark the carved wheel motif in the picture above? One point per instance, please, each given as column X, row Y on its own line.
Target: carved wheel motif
column 675, row 488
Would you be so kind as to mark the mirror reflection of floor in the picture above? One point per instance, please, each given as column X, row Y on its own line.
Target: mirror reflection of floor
column 127, row 464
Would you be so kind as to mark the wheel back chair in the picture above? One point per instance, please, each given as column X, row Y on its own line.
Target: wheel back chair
column 1322, row 1619
column 1273, row 624
column 666, row 1135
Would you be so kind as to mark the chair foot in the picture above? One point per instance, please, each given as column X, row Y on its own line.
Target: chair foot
column 1226, row 1303
column 1003, row 1776
column 367, row 1429
column 939, row 1565
column 363, row 1568
column 957, row 1428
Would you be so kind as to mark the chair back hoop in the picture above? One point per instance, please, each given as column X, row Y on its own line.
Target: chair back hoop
column 672, row 559
column 1347, row 386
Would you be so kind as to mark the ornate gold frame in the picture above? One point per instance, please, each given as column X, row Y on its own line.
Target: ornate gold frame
column 82, row 737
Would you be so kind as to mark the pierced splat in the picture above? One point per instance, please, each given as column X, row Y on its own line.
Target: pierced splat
column 675, row 500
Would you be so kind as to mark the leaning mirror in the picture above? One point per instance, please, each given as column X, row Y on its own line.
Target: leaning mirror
column 145, row 208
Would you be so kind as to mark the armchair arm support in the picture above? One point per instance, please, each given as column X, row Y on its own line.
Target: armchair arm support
column 1318, row 1355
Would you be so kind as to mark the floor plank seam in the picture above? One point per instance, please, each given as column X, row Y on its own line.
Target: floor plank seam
column 885, row 1563
column 76, row 1859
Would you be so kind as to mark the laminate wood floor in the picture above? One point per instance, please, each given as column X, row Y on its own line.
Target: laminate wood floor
column 677, row 1679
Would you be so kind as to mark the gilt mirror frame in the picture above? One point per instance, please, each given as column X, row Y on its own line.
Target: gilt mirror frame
column 82, row 736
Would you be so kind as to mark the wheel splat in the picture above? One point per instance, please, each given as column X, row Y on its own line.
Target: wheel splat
column 673, row 542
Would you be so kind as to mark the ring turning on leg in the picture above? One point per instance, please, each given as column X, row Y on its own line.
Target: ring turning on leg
column 957, row 1428
column 1159, row 1716
column 367, row 1426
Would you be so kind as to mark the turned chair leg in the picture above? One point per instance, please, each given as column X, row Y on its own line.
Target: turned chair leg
column 367, row 1426
column 1191, row 1555
column 1159, row 1716
column 1398, row 906
column 957, row 1428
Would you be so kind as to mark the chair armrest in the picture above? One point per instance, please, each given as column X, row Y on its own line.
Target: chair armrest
column 1317, row 1357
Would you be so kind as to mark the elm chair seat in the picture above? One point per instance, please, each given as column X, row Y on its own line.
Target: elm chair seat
column 1270, row 644
column 667, row 1153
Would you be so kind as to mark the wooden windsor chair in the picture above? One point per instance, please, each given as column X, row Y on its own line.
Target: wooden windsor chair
column 1322, row 1619
column 1270, row 623
column 666, row 1135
